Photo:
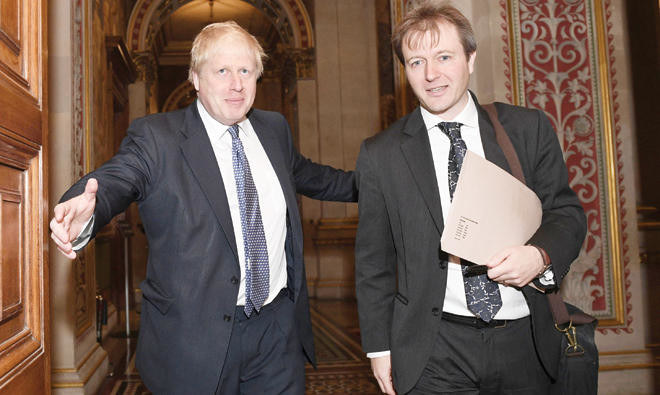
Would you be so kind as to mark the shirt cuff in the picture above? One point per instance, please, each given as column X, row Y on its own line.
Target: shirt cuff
column 546, row 279
column 84, row 236
column 378, row 354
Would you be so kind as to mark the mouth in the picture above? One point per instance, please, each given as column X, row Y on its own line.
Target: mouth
column 437, row 90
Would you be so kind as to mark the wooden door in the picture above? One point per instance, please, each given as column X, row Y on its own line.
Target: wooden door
column 24, row 325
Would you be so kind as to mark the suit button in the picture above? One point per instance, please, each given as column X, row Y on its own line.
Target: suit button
column 435, row 311
column 227, row 318
column 443, row 264
column 234, row 280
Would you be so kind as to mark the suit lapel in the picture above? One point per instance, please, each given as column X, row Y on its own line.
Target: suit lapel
column 273, row 150
column 198, row 152
column 492, row 150
column 416, row 149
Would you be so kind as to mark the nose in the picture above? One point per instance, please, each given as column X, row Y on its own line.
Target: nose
column 236, row 82
column 432, row 71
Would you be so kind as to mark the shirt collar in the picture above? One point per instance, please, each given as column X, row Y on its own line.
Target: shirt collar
column 468, row 116
column 215, row 127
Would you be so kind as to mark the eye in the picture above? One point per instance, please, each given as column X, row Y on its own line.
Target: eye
column 444, row 57
column 244, row 71
column 415, row 63
column 222, row 71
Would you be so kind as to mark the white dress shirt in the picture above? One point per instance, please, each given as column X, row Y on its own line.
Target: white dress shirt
column 269, row 190
column 513, row 302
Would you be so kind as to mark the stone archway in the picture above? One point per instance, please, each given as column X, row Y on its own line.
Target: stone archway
column 289, row 17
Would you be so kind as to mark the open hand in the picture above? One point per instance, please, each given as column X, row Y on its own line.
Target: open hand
column 70, row 217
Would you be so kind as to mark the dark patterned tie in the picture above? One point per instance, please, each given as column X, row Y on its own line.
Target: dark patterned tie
column 481, row 293
column 254, row 239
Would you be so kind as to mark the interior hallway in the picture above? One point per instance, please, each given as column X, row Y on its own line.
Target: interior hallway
column 332, row 75
column 342, row 366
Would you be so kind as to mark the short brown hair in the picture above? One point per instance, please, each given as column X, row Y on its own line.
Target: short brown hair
column 210, row 34
column 425, row 18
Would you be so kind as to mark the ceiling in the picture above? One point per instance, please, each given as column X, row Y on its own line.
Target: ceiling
column 179, row 30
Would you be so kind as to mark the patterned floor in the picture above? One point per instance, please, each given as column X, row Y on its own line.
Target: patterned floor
column 342, row 366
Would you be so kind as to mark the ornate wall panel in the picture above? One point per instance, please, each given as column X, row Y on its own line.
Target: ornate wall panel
column 557, row 57
column 560, row 63
column 81, row 140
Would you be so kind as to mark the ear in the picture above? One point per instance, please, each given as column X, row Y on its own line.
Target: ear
column 195, row 80
column 473, row 55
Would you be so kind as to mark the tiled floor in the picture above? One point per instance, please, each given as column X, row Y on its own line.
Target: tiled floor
column 342, row 366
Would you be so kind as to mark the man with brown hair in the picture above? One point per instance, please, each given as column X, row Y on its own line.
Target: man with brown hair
column 427, row 324
column 225, row 306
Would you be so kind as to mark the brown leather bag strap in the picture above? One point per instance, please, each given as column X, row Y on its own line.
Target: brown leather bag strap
column 557, row 306
column 505, row 144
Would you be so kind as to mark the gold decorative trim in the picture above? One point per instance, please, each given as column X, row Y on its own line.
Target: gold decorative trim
column 335, row 241
column 308, row 23
column 83, row 382
column 631, row 366
column 611, row 171
column 349, row 223
column 513, row 66
column 648, row 225
column 87, row 160
column 624, row 352
column 335, row 283
column 81, row 363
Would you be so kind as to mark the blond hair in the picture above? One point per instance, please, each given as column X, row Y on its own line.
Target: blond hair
column 426, row 18
column 206, row 39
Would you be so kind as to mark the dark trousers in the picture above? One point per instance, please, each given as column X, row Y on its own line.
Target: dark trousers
column 265, row 355
column 471, row 360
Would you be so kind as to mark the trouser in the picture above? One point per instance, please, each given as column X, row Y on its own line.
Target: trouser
column 469, row 358
column 265, row 355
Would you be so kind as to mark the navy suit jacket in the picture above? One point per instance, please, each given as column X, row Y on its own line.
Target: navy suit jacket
column 166, row 164
column 401, row 270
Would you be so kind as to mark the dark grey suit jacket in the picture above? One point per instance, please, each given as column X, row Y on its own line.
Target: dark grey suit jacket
column 401, row 270
column 166, row 164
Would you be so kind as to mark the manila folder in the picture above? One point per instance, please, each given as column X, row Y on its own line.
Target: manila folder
column 491, row 210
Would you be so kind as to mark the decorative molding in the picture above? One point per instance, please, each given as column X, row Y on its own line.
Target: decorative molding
column 627, row 360
column 560, row 64
column 83, row 374
column 289, row 17
column 615, row 156
column 509, row 39
column 81, row 140
column 122, row 62
column 305, row 62
column 146, row 66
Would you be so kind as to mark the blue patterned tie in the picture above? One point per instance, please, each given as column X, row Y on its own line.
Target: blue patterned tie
column 254, row 239
column 481, row 293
